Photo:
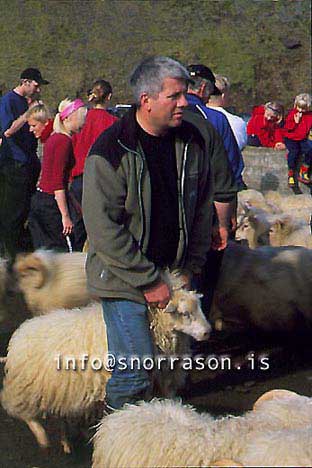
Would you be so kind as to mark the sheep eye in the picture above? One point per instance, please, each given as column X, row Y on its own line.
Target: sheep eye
column 186, row 314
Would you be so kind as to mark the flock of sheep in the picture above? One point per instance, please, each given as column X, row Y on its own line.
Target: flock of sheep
column 273, row 219
column 266, row 286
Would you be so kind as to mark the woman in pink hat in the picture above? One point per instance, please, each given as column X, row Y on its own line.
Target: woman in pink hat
column 50, row 218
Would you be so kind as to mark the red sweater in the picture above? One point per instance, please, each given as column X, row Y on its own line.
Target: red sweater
column 269, row 133
column 297, row 131
column 97, row 121
column 47, row 131
column 57, row 162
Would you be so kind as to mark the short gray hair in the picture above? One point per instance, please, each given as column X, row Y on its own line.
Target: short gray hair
column 149, row 75
column 303, row 101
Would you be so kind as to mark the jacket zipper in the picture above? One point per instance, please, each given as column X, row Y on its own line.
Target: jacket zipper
column 139, row 190
column 185, row 233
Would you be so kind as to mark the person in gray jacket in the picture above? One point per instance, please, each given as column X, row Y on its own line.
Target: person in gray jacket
column 147, row 205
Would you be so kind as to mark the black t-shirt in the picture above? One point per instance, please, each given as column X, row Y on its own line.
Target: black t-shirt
column 161, row 162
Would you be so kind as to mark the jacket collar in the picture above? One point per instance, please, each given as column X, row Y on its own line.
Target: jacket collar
column 128, row 134
column 194, row 100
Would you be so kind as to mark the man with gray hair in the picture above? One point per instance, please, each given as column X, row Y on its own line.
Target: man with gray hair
column 147, row 206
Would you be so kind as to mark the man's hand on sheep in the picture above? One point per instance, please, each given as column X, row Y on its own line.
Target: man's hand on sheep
column 158, row 294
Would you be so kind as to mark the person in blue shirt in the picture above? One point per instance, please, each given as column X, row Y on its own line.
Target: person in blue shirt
column 199, row 91
column 19, row 164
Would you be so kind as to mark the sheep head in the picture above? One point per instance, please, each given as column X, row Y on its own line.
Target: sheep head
column 186, row 315
column 183, row 314
column 282, row 226
column 254, row 227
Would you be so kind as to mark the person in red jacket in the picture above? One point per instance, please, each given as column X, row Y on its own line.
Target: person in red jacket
column 50, row 217
column 98, row 120
column 264, row 127
column 40, row 122
column 296, row 136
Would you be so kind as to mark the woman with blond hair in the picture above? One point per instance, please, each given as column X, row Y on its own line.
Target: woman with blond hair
column 40, row 121
column 50, row 220
column 296, row 136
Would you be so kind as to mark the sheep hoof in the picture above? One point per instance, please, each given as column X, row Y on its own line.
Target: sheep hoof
column 66, row 447
column 272, row 394
column 225, row 462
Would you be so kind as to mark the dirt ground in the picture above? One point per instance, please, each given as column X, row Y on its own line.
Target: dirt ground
column 219, row 392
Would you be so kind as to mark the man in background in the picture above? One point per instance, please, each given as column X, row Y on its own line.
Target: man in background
column 199, row 92
column 19, row 164
column 220, row 101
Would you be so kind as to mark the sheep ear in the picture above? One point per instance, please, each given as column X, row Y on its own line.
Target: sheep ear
column 33, row 268
column 272, row 395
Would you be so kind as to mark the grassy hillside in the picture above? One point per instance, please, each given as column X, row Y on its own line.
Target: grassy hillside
column 263, row 46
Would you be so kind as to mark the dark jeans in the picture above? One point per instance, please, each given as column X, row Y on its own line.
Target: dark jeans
column 253, row 140
column 80, row 234
column 17, row 183
column 45, row 223
column 295, row 149
column 128, row 335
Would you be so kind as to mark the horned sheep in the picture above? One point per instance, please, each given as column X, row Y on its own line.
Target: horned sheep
column 51, row 280
column 167, row 434
column 33, row 386
column 13, row 309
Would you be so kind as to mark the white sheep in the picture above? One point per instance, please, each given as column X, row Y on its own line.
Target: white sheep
column 167, row 434
column 51, row 280
column 286, row 230
column 289, row 202
column 254, row 227
column 33, row 386
column 271, row 289
column 253, row 199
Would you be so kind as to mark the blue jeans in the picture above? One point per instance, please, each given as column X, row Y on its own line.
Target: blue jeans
column 128, row 335
column 295, row 148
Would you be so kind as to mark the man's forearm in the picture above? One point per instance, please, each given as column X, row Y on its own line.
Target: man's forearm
column 224, row 213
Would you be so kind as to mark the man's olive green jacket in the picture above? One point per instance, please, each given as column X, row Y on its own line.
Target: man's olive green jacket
column 117, row 209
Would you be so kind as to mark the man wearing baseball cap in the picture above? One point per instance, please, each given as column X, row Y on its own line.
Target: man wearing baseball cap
column 199, row 91
column 19, row 164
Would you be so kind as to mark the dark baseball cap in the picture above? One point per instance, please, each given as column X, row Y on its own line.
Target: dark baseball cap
column 204, row 72
column 33, row 74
